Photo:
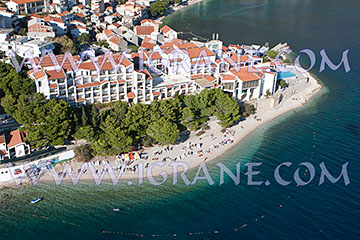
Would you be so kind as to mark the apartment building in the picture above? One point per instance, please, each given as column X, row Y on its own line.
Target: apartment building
column 173, row 68
column 27, row 6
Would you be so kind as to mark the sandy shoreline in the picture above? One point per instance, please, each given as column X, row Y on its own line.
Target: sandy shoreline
column 296, row 95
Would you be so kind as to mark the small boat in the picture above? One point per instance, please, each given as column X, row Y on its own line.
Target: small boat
column 36, row 200
column 116, row 210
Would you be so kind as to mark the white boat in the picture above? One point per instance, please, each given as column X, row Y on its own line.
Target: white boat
column 36, row 200
column 116, row 210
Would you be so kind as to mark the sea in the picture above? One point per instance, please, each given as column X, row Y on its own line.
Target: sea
column 325, row 132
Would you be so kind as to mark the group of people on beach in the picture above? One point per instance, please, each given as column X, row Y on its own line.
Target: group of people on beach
column 189, row 150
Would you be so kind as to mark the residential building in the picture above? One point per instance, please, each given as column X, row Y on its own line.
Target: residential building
column 27, row 6
column 97, row 6
column 13, row 145
column 21, row 45
column 169, row 33
column 39, row 29
column 177, row 67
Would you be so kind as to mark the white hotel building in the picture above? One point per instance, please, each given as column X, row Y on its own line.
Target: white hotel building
column 88, row 86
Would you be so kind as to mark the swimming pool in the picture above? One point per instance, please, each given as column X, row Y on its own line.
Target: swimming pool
column 282, row 75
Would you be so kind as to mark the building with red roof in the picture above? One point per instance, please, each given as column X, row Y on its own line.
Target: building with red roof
column 13, row 145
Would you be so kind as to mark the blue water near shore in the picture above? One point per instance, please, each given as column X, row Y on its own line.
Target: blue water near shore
column 326, row 130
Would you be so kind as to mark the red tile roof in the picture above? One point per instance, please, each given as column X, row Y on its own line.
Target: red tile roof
column 166, row 29
column 148, row 45
column 144, row 30
column 244, row 74
column 115, row 40
column 85, row 85
column 186, row 45
column 199, row 52
column 148, row 20
column 53, row 19
column 39, row 74
column 210, row 78
column 14, row 138
column 228, row 77
column 53, row 74
column 108, row 32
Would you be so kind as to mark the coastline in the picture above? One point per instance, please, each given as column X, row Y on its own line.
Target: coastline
column 173, row 9
column 295, row 96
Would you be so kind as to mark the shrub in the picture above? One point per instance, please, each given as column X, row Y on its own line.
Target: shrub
column 83, row 153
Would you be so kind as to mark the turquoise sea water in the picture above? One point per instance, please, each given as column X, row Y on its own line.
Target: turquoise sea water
column 331, row 123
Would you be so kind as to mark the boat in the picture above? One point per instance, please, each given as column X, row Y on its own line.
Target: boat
column 116, row 210
column 36, row 200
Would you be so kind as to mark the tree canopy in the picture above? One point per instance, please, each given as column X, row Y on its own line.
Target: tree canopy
column 84, row 38
column 159, row 8
column 64, row 44
column 163, row 131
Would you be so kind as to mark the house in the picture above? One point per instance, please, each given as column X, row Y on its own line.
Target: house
column 27, row 6
column 66, row 17
column 39, row 29
column 96, row 19
column 169, row 33
column 57, row 23
column 149, row 22
column 13, row 145
column 143, row 31
column 135, row 11
column 81, row 8
column 117, row 43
